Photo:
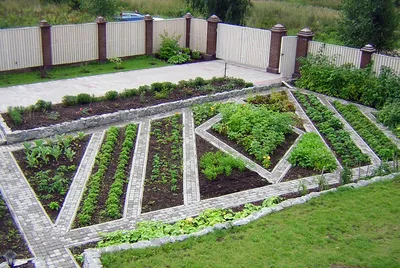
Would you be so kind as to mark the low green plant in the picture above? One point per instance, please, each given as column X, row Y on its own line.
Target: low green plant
column 302, row 188
column 214, row 164
column 322, row 183
column 311, row 152
column 16, row 114
column 54, row 115
column 111, row 95
column 179, row 58
column 390, row 116
column 203, row 112
column 346, row 175
column 129, row 93
column 42, row 105
column 69, row 100
column 196, row 55
column 117, row 61
column 169, row 46
column 276, row 101
column 54, row 206
column 83, row 98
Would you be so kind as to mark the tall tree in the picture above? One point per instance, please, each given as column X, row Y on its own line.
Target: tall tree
column 369, row 22
column 230, row 11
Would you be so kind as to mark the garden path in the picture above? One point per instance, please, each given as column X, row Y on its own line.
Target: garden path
column 50, row 241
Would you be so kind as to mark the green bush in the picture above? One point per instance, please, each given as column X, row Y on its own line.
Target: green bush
column 157, row 86
column 83, row 98
column 129, row 93
column 111, row 95
column 196, row 55
column 16, row 114
column 169, row 46
column 179, row 58
column 311, row 152
column 69, row 100
column 390, row 115
column 42, row 105
column 214, row 164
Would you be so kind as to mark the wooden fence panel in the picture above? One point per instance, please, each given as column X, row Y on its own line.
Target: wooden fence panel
column 125, row 39
column 172, row 27
column 383, row 60
column 198, row 35
column 341, row 54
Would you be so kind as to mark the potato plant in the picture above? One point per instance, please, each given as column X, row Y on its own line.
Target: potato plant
column 214, row 164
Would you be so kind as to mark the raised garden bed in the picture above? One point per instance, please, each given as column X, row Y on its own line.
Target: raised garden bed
column 105, row 191
column 50, row 166
column 10, row 237
column 164, row 184
column 237, row 181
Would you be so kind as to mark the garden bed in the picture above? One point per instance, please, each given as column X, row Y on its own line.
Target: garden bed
column 50, row 175
column 237, row 181
column 10, row 238
column 297, row 172
column 104, row 196
column 164, row 174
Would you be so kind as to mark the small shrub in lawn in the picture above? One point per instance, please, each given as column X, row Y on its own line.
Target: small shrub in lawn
column 69, row 100
column 111, row 95
column 214, row 164
column 83, row 98
column 16, row 114
column 311, row 152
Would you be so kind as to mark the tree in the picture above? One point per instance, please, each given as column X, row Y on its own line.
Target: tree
column 230, row 11
column 369, row 22
column 100, row 7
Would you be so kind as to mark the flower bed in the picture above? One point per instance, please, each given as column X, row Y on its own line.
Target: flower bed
column 50, row 166
column 163, row 183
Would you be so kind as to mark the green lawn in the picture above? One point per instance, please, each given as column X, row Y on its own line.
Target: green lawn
column 353, row 228
column 136, row 63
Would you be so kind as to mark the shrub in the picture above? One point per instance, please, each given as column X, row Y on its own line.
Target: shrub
column 69, row 100
column 390, row 115
column 42, row 105
column 179, row 58
column 311, row 152
column 111, row 95
column 83, row 98
column 157, row 86
column 214, row 164
column 16, row 114
column 196, row 55
column 129, row 93
column 199, row 81
column 169, row 46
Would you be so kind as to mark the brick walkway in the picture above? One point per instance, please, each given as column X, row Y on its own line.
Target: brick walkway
column 50, row 241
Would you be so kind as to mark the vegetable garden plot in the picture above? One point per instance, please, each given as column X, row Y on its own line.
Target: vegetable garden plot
column 104, row 196
column 164, row 174
column 221, row 174
column 50, row 166
column 333, row 132
column 373, row 136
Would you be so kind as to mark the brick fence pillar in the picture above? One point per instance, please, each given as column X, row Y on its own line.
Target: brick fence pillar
column 188, row 18
column 149, row 34
column 277, row 32
column 45, row 29
column 102, row 38
column 366, row 55
column 211, row 50
column 303, row 37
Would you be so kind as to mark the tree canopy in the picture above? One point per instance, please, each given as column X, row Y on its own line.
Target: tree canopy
column 369, row 22
column 230, row 11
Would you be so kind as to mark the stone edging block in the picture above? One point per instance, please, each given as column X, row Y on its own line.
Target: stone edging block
column 92, row 256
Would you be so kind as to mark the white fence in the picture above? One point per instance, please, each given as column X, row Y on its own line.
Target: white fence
column 74, row 43
column 340, row 54
column 173, row 27
column 125, row 39
column 288, row 56
column 20, row 48
column 382, row 60
column 198, row 35
column 243, row 45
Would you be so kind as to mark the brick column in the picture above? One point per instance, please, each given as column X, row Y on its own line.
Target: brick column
column 303, row 37
column 102, row 38
column 211, row 50
column 148, row 34
column 45, row 29
column 277, row 32
column 188, row 18
column 366, row 55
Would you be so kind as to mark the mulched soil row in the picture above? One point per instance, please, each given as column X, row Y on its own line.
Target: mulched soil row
column 158, row 195
column 295, row 173
column 10, row 238
column 38, row 119
column 276, row 155
column 99, row 216
column 79, row 147
column 222, row 185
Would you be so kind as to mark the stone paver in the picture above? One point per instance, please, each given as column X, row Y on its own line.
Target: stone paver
column 50, row 242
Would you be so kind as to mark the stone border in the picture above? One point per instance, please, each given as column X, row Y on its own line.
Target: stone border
column 92, row 256
column 126, row 115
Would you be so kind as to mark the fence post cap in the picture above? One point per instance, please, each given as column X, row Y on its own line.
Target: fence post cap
column 214, row 18
column 100, row 19
column 306, row 32
column 188, row 16
column 44, row 23
column 148, row 17
column 368, row 48
column 279, row 28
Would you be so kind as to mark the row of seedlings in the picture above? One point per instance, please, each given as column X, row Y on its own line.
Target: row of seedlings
column 333, row 131
column 104, row 194
column 164, row 180
column 372, row 135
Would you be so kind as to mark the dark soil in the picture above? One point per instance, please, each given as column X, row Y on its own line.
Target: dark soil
column 79, row 147
column 295, row 173
column 276, row 155
column 222, row 185
column 99, row 216
column 311, row 190
column 39, row 119
column 158, row 194
column 10, row 238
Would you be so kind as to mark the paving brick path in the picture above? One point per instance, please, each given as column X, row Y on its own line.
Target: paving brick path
column 50, row 241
